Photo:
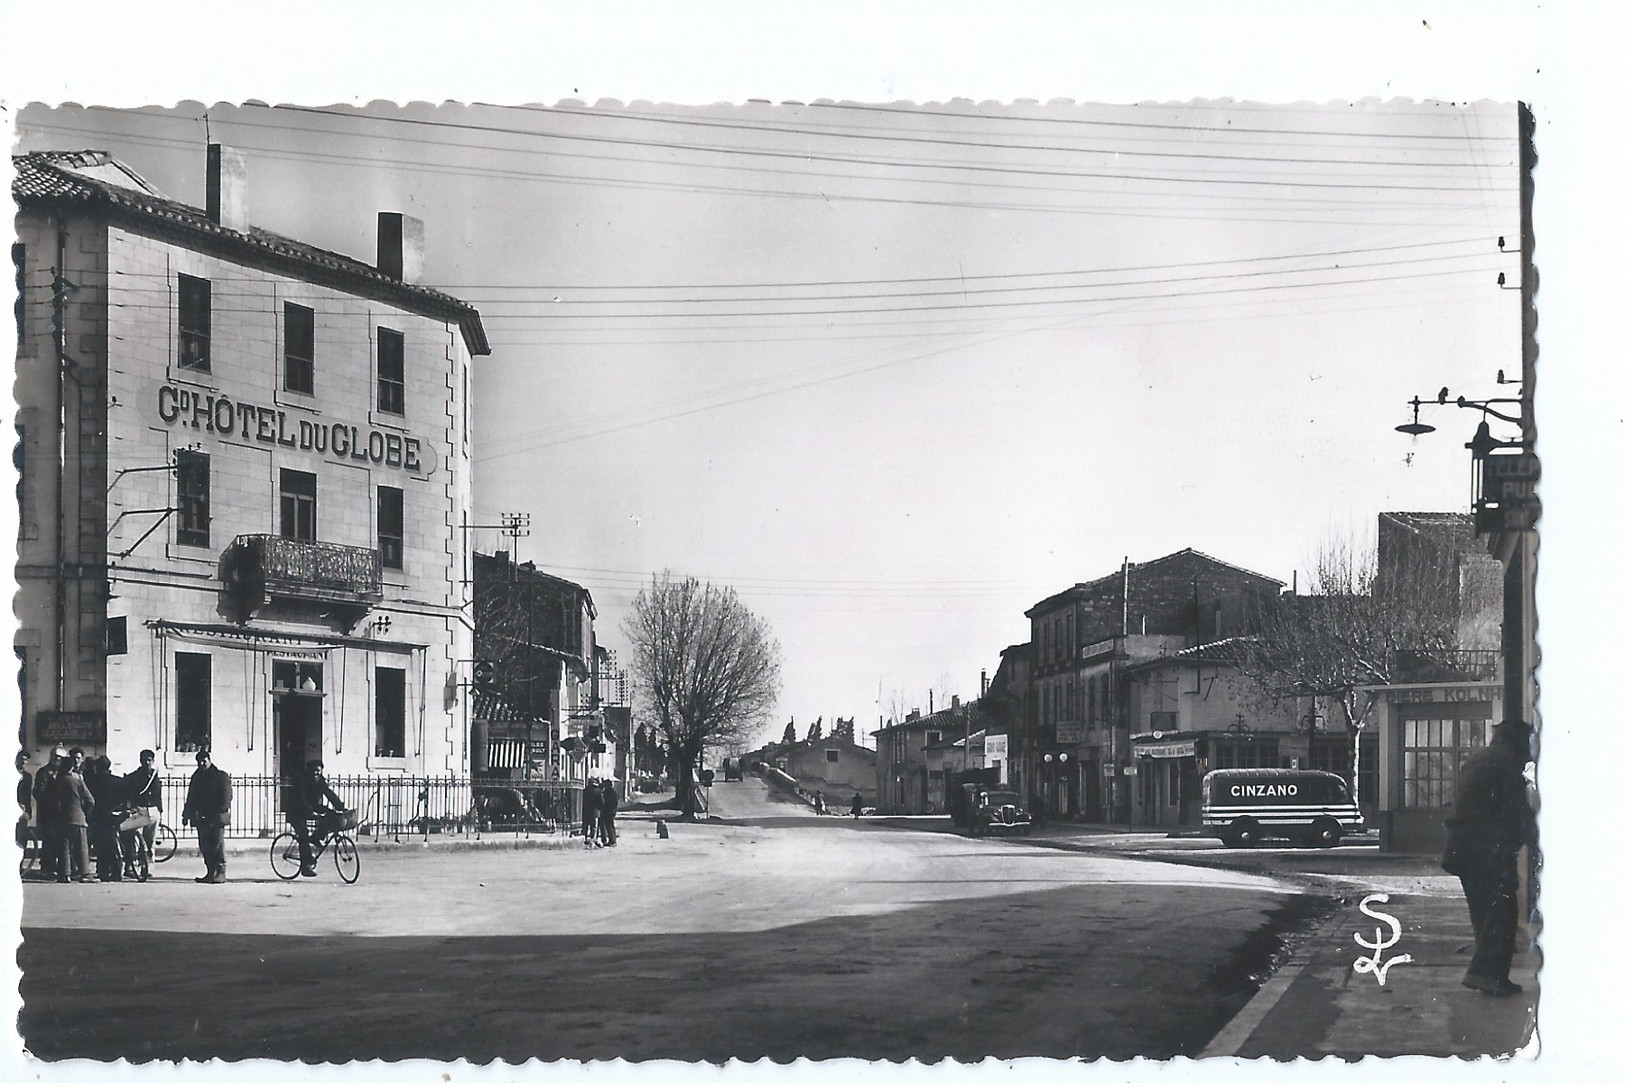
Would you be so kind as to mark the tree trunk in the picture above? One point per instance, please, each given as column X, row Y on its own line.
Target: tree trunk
column 686, row 793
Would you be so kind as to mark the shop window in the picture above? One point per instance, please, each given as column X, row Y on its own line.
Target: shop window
column 303, row 676
column 298, row 505
column 192, row 701
column 194, row 323
column 391, row 371
column 1246, row 754
column 1434, row 751
column 389, row 717
column 391, row 527
column 192, row 496
column 298, row 348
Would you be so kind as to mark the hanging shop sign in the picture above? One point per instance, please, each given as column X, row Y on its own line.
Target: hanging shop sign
column 209, row 413
column 1180, row 750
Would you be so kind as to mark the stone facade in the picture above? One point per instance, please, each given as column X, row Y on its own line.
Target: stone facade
column 197, row 593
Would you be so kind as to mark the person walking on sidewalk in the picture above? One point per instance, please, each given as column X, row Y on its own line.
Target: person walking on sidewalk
column 1491, row 822
column 608, row 801
column 857, row 805
column 589, row 813
column 208, row 807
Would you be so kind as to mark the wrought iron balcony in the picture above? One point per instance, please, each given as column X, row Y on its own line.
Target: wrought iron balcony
column 1448, row 666
column 262, row 572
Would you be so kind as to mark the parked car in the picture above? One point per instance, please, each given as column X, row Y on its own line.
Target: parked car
column 996, row 811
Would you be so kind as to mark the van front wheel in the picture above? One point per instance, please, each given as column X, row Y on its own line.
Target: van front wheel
column 1243, row 834
column 1325, row 833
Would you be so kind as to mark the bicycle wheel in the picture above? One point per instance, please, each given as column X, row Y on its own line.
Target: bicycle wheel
column 163, row 843
column 285, row 856
column 345, row 858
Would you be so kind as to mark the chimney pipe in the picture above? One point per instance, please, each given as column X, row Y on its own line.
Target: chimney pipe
column 400, row 247
column 984, row 683
column 226, row 185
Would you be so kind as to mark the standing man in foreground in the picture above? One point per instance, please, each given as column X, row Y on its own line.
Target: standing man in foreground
column 1491, row 822
column 208, row 807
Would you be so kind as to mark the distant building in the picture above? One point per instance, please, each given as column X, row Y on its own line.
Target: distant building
column 914, row 756
column 245, row 463
column 544, row 697
column 833, row 764
column 1076, row 747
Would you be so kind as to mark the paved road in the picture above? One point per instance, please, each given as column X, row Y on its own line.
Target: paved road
column 773, row 933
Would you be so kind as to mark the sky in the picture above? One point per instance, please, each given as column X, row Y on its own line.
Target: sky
column 943, row 440
column 897, row 372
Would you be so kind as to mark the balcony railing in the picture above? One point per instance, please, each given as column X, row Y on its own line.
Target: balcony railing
column 1448, row 666
column 258, row 571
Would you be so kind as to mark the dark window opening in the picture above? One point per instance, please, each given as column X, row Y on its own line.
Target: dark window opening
column 832, row 754
column 391, row 371
column 118, row 637
column 390, row 716
column 391, row 527
column 194, row 323
column 298, row 348
column 192, row 701
column 298, row 505
column 303, row 676
column 192, row 496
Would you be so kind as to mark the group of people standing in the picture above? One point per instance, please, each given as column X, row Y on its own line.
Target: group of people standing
column 78, row 803
column 599, row 800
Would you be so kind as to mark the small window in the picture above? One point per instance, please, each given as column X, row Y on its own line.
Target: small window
column 118, row 635
column 298, row 505
column 192, row 496
column 192, row 701
column 298, row 348
column 302, row 676
column 932, row 736
column 832, row 754
column 194, row 323
column 391, row 527
column 389, row 720
column 391, row 371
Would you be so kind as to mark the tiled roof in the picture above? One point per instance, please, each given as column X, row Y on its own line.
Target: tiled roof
column 96, row 179
column 1116, row 575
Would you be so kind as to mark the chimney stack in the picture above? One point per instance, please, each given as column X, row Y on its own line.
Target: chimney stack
column 400, row 247
column 226, row 200
column 984, row 683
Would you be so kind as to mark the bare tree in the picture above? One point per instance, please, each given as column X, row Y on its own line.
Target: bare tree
column 706, row 668
column 1355, row 628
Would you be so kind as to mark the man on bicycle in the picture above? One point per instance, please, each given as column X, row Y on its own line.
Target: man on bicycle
column 144, row 793
column 310, row 813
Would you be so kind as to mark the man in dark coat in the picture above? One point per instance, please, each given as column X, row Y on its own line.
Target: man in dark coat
column 589, row 814
column 608, row 801
column 208, row 807
column 46, row 824
column 857, row 805
column 73, row 807
column 109, row 793
column 1491, row 822
column 312, row 808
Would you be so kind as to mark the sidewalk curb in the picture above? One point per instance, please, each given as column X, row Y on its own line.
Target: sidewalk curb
column 1241, row 1026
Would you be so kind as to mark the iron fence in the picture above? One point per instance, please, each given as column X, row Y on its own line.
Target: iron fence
column 403, row 806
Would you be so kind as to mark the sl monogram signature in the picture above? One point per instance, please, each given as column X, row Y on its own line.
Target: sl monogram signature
column 1372, row 963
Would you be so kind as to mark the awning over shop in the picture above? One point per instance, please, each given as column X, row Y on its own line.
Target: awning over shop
column 1179, row 749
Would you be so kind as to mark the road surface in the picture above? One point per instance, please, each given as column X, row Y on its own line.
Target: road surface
column 769, row 932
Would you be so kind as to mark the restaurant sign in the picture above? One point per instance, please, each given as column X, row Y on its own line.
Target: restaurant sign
column 71, row 726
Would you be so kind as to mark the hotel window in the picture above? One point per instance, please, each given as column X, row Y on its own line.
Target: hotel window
column 391, row 527
column 192, row 701
column 389, row 718
column 192, row 496
column 298, row 505
column 1434, row 751
column 391, row 371
column 298, row 348
column 194, row 323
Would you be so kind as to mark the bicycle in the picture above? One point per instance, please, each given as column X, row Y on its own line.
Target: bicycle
column 287, row 863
